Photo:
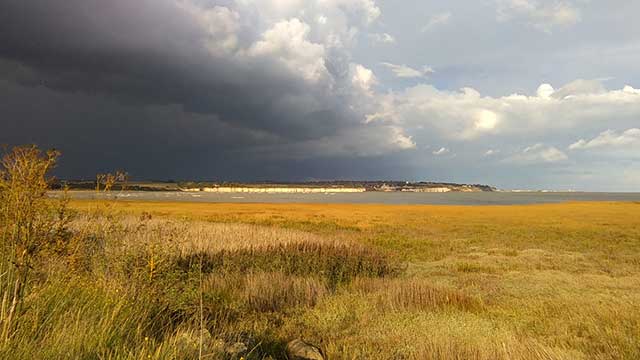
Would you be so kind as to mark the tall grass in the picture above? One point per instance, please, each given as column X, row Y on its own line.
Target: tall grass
column 133, row 286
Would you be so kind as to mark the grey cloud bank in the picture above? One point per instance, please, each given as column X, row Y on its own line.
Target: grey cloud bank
column 297, row 90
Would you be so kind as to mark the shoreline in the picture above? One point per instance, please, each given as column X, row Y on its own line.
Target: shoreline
column 382, row 198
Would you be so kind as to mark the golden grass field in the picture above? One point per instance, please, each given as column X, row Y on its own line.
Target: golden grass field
column 554, row 281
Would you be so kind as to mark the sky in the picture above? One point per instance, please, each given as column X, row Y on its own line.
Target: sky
column 518, row 94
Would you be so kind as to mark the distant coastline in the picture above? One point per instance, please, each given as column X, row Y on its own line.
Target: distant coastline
column 284, row 187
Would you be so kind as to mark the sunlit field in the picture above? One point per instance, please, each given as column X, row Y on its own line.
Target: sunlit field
column 359, row 281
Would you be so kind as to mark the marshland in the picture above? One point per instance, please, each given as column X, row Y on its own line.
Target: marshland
column 117, row 279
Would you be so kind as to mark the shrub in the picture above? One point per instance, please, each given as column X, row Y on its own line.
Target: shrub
column 30, row 223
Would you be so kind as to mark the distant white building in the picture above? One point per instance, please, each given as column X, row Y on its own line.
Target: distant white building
column 280, row 190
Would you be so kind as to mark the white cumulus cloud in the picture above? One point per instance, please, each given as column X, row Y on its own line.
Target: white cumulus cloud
column 382, row 38
column 486, row 120
column 362, row 77
column 441, row 151
column 436, row 21
column 367, row 9
column 467, row 115
column 404, row 71
column 288, row 41
column 544, row 15
column 538, row 153
column 608, row 139
column 545, row 91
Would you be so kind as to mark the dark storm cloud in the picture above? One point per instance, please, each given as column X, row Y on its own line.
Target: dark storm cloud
column 147, row 52
column 98, row 134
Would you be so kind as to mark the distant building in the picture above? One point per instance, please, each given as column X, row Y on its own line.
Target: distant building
column 281, row 190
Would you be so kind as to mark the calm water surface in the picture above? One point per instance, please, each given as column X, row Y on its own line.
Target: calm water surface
column 454, row 198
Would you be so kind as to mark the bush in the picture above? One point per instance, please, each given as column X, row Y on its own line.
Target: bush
column 30, row 223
